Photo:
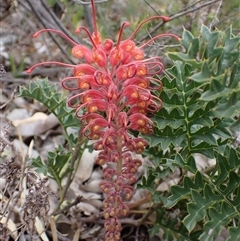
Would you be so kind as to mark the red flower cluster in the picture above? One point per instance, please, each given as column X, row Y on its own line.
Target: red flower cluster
column 114, row 95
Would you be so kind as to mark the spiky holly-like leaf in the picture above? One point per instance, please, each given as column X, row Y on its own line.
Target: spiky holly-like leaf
column 201, row 97
column 47, row 94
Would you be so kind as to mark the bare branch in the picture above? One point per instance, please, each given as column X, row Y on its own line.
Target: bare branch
column 215, row 16
column 158, row 13
column 35, row 8
column 180, row 14
column 11, row 98
column 2, row 73
column 58, row 22
column 66, row 208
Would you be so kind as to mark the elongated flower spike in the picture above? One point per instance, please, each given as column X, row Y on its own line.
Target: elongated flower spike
column 112, row 96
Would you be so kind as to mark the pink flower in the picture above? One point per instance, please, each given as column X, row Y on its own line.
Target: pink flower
column 114, row 87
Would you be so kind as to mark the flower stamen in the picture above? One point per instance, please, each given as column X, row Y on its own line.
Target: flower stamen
column 57, row 32
column 164, row 18
column 49, row 63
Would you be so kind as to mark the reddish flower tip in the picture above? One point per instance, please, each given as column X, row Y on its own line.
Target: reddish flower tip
column 166, row 19
column 29, row 71
column 35, row 35
column 124, row 24
column 49, row 63
column 56, row 32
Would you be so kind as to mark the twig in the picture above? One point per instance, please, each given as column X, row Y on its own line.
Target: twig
column 158, row 13
column 215, row 16
column 60, row 237
column 15, row 199
column 53, row 229
column 34, row 7
column 187, row 7
column 11, row 98
column 150, row 211
column 73, row 166
column 76, row 156
column 178, row 15
column 75, row 202
column 100, row 220
column 140, row 202
column 4, row 139
column 93, row 218
column 58, row 22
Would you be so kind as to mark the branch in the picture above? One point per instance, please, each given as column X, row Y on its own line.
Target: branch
column 178, row 15
column 74, row 162
column 149, row 212
column 215, row 16
column 11, row 98
column 2, row 73
column 75, row 202
column 35, row 8
column 158, row 13
column 181, row 13
column 58, row 22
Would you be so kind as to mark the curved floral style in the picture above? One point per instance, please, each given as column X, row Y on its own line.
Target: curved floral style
column 113, row 96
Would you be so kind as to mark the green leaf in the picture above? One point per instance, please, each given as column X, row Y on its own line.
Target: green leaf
column 171, row 227
column 197, row 209
column 221, row 187
column 229, row 108
column 235, row 126
column 200, row 97
column 182, row 192
column 204, row 75
column 188, row 165
column 187, row 38
column 234, row 233
column 211, row 39
column 218, row 219
column 217, row 90
column 48, row 94
column 55, row 165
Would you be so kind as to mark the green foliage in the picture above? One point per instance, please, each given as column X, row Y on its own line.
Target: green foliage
column 171, row 227
column 208, row 194
column 63, row 161
column 201, row 111
column 16, row 68
column 218, row 70
column 55, row 101
column 55, row 166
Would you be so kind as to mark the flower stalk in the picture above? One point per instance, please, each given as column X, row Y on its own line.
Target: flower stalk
column 113, row 86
